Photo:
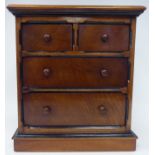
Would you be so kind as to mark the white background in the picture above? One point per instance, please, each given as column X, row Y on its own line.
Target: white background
column 140, row 96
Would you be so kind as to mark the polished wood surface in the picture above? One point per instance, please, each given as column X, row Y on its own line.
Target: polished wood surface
column 75, row 72
column 47, row 37
column 18, row 66
column 109, row 142
column 130, row 83
column 75, row 69
column 76, row 19
column 50, row 109
column 22, row 10
column 99, row 37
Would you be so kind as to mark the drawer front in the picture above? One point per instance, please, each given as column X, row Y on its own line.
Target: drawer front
column 75, row 72
column 93, row 37
column 52, row 109
column 47, row 37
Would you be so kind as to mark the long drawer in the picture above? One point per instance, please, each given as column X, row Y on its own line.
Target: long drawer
column 54, row 109
column 63, row 72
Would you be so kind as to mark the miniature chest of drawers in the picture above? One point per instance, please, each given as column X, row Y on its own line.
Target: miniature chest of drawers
column 75, row 77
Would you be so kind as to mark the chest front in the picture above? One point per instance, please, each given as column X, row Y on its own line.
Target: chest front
column 75, row 77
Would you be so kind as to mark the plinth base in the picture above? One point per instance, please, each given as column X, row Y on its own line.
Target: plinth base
column 74, row 142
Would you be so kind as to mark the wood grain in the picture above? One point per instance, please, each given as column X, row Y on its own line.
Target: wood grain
column 23, row 10
column 75, row 72
column 75, row 19
column 74, row 109
column 74, row 129
column 33, row 37
column 90, row 37
column 130, row 82
column 75, row 68
column 19, row 66
column 104, row 142
column 75, row 54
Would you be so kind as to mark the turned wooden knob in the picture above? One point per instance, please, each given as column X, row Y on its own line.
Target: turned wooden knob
column 46, row 72
column 104, row 38
column 101, row 108
column 104, row 73
column 47, row 37
column 46, row 110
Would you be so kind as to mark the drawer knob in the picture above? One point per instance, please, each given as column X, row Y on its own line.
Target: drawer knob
column 47, row 37
column 104, row 73
column 101, row 108
column 104, row 38
column 46, row 110
column 46, row 72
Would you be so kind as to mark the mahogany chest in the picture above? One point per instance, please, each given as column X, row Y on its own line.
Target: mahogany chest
column 75, row 77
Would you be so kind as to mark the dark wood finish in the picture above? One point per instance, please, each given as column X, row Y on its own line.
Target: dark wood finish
column 76, row 54
column 47, row 37
column 130, row 82
column 50, row 109
column 99, row 37
column 76, row 19
column 74, row 142
column 75, row 72
column 75, row 69
column 74, row 129
column 23, row 10
column 19, row 80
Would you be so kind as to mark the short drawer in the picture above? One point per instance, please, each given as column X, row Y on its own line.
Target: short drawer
column 47, row 37
column 75, row 72
column 54, row 109
column 100, row 37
